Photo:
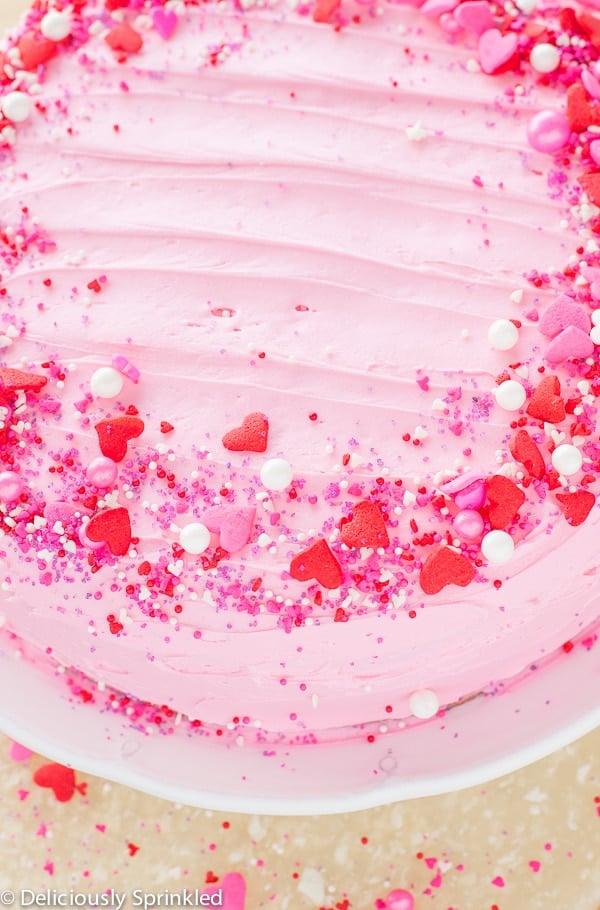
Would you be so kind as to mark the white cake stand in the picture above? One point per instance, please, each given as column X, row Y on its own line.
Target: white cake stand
column 476, row 742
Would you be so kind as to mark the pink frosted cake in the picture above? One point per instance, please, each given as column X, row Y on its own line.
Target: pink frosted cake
column 300, row 355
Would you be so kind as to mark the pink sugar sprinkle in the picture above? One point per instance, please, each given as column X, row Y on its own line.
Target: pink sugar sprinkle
column 535, row 865
column 498, row 881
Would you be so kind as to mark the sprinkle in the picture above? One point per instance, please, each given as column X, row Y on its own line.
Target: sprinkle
column 545, row 58
column 444, row 567
column 468, row 524
column 546, row 403
column 276, row 474
column 102, row 472
column 510, row 395
column 17, row 106
column 317, row 562
column 548, row 131
column 505, row 500
column 106, row 382
column 112, row 527
column 576, row 506
column 165, row 22
column 563, row 312
column 416, row 132
column 114, row 434
column 194, row 538
column 497, row 52
column 497, row 547
column 11, row 486
column 567, row 459
column 126, row 367
column 365, row 527
column 252, row 436
column 233, row 524
column 503, row 335
column 424, row 704
column 571, row 342
column 56, row 25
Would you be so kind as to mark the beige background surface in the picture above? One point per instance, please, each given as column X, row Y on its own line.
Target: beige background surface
column 530, row 841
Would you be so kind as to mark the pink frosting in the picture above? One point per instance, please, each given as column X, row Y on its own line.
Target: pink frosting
column 274, row 204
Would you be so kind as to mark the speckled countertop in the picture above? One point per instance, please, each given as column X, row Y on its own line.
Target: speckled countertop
column 529, row 841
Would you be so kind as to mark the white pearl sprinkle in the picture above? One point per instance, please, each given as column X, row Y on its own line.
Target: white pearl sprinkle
column 545, row 58
column 56, row 25
column 511, row 395
column 17, row 106
column 567, row 459
column 596, row 317
column 503, row 335
column 276, row 474
column 106, row 382
column 595, row 334
column 424, row 704
column 194, row 538
column 497, row 547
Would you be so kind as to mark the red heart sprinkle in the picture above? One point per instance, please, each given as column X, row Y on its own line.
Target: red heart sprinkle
column 546, row 403
column 591, row 184
column 445, row 567
column 505, row 499
column 250, row 437
column 59, row 778
column 590, row 25
column 112, row 527
column 18, row 381
column 524, row 450
column 340, row 615
column 317, row 562
column 115, row 432
column 580, row 112
column 166, row 427
column 133, row 849
column 35, row 50
column 124, row 38
column 366, row 527
column 211, row 878
column 576, row 506
column 324, row 9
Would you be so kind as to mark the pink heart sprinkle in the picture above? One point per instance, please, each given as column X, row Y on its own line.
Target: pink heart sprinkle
column 571, row 342
column 472, row 497
column 475, row 16
column 496, row 49
column 165, row 21
column 19, row 752
column 592, row 86
column 233, row 524
column 233, row 888
column 561, row 314
column 435, row 8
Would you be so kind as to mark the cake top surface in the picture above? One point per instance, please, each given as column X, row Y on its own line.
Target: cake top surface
column 304, row 320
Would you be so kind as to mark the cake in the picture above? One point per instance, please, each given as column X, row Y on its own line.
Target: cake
column 299, row 355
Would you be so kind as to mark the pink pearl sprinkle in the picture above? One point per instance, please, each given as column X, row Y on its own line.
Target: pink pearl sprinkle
column 11, row 486
column 468, row 524
column 548, row 131
column 102, row 472
column 399, row 899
